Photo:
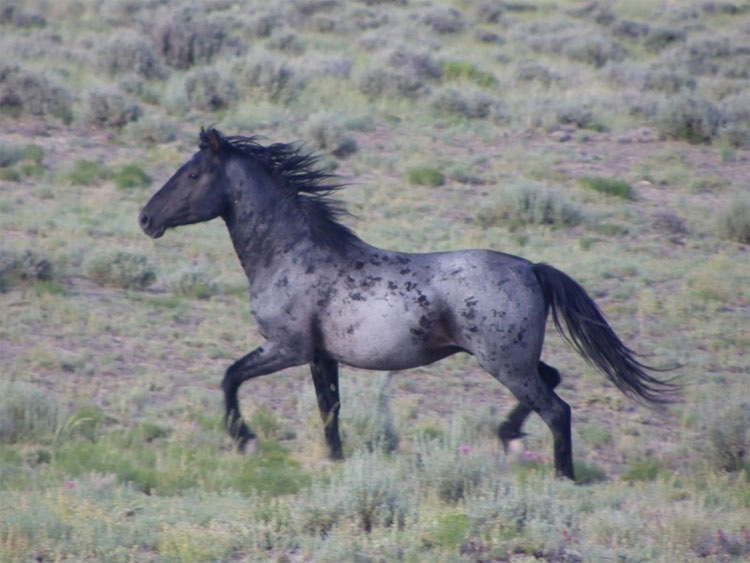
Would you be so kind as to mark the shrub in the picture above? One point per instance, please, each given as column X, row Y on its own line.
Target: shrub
column 594, row 51
column 127, row 51
column 530, row 204
column 534, row 71
column 27, row 413
column 152, row 130
column 424, row 176
column 378, row 82
column 728, row 437
column 368, row 422
column 187, row 38
column 475, row 105
column 208, row 90
column 662, row 37
column 21, row 267
column 87, row 173
column 418, row 64
column 689, row 118
column 608, row 186
column 330, row 136
column 9, row 154
column 642, row 469
column 444, row 20
column 192, row 282
column 108, row 108
column 270, row 77
column 286, row 43
column 24, row 91
column 734, row 221
column 131, row 176
column 122, row 269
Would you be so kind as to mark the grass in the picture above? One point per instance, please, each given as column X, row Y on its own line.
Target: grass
column 608, row 186
column 113, row 345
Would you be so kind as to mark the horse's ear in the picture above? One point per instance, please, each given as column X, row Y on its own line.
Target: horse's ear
column 211, row 139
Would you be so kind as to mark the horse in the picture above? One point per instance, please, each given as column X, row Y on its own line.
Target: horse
column 322, row 296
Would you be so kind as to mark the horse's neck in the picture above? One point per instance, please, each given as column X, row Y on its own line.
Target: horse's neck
column 263, row 237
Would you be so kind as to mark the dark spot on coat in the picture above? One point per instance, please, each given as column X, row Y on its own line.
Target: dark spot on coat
column 423, row 301
column 310, row 269
column 416, row 331
column 358, row 265
column 410, row 285
column 357, row 296
column 404, row 271
column 350, row 329
column 392, row 285
column 402, row 259
column 424, row 322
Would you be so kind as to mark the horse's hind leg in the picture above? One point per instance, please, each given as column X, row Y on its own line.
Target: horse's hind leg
column 325, row 373
column 510, row 428
column 535, row 394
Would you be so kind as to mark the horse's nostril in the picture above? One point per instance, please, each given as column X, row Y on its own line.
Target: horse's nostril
column 144, row 220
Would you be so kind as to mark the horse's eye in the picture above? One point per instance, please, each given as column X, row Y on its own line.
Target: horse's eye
column 193, row 175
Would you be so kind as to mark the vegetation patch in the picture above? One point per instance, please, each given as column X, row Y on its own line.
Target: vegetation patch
column 120, row 268
column 733, row 222
column 608, row 186
column 425, row 176
column 131, row 176
column 88, row 173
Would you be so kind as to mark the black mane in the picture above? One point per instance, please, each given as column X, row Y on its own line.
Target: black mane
column 307, row 187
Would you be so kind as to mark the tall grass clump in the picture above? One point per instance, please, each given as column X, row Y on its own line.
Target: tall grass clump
column 27, row 413
column 733, row 222
column 192, row 282
column 187, row 38
column 608, row 186
column 123, row 269
column 268, row 76
column 530, row 204
column 88, row 173
column 330, row 136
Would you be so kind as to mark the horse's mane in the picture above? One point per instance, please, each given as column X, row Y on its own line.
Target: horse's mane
column 308, row 188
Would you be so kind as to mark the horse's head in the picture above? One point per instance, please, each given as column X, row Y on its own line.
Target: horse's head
column 196, row 193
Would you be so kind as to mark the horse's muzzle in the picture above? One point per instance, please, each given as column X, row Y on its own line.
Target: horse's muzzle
column 144, row 220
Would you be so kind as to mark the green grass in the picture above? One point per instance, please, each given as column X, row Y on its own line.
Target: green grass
column 131, row 176
column 424, row 176
column 608, row 186
column 88, row 173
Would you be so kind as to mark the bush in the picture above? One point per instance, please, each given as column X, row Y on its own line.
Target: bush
column 152, row 130
column 367, row 422
column 476, row 105
column 131, row 176
column 534, row 71
column 88, row 173
column 424, row 176
column 208, row 90
column 268, row 76
column 608, row 186
column 286, row 43
column 187, row 38
column 417, row 64
column 728, row 438
column 734, row 222
column 444, row 20
column 27, row 413
column 23, row 267
column 192, row 282
column 9, row 154
column 23, row 91
column 327, row 135
column 594, row 51
column 122, row 269
column 127, row 51
column 378, row 82
column 530, row 204
column 689, row 118
column 108, row 108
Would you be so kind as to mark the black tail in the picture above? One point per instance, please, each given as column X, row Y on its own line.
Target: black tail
column 589, row 333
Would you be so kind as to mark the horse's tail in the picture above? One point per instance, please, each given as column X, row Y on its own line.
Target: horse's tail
column 589, row 333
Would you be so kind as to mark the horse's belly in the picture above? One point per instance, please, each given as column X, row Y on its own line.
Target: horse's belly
column 382, row 337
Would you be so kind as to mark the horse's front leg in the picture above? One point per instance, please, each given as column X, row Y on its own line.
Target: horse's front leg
column 325, row 373
column 266, row 359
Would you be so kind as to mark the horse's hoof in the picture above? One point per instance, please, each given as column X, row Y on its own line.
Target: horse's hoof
column 248, row 446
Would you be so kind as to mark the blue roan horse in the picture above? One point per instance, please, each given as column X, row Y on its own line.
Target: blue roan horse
column 321, row 296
